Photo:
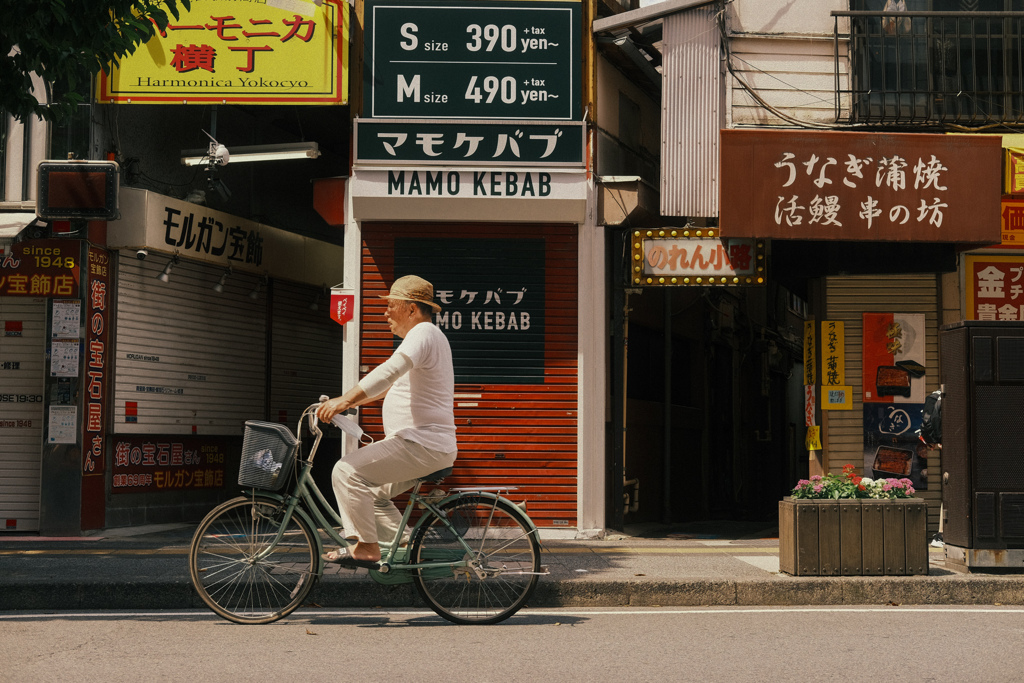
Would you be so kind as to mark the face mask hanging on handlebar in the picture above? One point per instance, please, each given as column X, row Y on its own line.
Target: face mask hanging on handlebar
column 349, row 426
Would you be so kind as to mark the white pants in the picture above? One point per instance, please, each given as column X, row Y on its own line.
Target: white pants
column 365, row 482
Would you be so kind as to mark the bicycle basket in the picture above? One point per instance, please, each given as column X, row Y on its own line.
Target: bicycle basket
column 268, row 454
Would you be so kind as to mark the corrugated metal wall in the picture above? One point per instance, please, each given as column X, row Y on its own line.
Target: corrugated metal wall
column 305, row 350
column 691, row 114
column 193, row 360
column 22, row 377
column 519, row 434
column 847, row 298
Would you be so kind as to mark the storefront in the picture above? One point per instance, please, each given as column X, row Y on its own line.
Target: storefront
column 133, row 373
column 41, row 313
column 871, row 223
column 510, row 295
column 471, row 170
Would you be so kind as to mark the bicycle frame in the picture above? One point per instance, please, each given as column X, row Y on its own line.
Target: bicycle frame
column 306, row 500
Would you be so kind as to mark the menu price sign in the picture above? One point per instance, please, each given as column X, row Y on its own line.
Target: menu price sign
column 482, row 60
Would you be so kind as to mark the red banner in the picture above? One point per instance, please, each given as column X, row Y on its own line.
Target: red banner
column 342, row 307
column 97, row 376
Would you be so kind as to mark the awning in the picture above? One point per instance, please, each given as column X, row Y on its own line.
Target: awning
column 13, row 223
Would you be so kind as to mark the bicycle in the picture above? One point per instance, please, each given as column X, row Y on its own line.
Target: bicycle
column 473, row 555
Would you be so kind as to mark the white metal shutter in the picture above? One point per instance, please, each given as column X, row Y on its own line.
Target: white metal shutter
column 847, row 298
column 22, row 378
column 305, row 349
column 188, row 359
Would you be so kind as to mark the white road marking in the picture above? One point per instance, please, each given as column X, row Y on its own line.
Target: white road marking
column 722, row 611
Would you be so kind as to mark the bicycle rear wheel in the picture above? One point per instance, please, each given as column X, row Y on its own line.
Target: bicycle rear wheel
column 492, row 580
column 236, row 571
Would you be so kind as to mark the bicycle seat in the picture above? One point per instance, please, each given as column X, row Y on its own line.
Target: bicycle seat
column 437, row 477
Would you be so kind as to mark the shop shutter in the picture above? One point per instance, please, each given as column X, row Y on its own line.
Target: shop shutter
column 305, row 350
column 847, row 298
column 22, row 378
column 189, row 360
column 516, row 391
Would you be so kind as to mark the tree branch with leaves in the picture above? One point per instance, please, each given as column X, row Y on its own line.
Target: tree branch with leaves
column 65, row 42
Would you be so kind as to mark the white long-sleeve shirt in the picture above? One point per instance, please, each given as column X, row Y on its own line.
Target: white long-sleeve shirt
column 420, row 404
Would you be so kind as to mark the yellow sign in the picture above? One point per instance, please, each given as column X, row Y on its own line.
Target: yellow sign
column 812, row 441
column 246, row 51
column 836, row 398
column 833, row 354
column 809, row 358
column 1012, row 223
column 1014, row 172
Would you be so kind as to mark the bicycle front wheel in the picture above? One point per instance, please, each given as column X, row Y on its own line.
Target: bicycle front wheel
column 238, row 570
column 488, row 560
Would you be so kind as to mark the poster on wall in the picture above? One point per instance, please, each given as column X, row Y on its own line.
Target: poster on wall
column 892, row 449
column 894, row 358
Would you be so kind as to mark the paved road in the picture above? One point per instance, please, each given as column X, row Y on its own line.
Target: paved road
column 974, row 644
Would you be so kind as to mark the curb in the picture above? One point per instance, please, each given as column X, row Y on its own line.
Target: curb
column 359, row 592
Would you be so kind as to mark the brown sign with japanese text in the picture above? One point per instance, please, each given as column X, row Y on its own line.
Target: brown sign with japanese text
column 41, row 268
column 829, row 185
column 169, row 463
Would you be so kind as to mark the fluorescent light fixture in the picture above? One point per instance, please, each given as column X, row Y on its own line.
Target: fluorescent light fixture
column 298, row 150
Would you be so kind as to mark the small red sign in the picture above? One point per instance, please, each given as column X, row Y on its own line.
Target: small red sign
column 12, row 328
column 342, row 307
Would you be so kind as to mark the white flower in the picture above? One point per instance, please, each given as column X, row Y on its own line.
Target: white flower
column 867, row 481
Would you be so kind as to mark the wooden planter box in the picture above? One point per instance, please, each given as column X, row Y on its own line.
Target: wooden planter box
column 856, row 537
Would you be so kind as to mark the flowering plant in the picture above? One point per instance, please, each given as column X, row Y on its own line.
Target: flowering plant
column 850, row 485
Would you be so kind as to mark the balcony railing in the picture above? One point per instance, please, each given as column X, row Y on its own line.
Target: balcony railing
column 931, row 68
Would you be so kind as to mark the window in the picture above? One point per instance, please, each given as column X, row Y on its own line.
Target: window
column 948, row 61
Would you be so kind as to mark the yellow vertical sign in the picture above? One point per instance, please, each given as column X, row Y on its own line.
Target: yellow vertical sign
column 833, row 353
column 810, row 362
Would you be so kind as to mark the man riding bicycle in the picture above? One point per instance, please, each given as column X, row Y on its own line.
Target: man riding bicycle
column 417, row 384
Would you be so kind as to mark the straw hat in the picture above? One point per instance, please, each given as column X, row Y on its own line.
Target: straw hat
column 413, row 288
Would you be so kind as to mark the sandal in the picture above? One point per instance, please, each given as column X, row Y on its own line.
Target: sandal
column 341, row 557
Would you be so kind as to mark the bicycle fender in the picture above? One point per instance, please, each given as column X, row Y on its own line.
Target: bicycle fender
column 299, row 511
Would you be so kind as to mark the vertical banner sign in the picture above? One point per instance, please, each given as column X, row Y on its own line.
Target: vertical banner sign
column 473, row 60
column 255, row 52
column 894, row 357
column 809, row 357
column 810, row 404
column 835, row 394
column 97, row 379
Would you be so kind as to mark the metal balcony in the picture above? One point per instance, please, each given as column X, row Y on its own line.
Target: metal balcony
column 942, row 69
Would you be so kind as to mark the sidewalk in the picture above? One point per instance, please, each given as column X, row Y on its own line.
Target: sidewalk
column 702, row 564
